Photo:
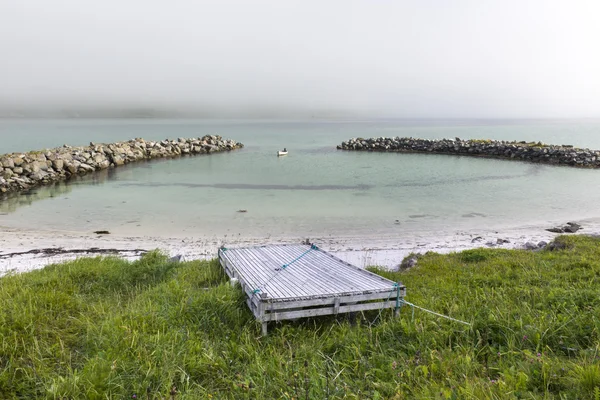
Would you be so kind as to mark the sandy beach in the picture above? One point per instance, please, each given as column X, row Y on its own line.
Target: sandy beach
column 24, row 250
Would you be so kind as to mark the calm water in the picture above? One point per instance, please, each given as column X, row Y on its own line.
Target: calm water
column 315, row 190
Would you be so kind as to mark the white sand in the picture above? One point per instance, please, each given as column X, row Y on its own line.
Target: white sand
column 361, row 251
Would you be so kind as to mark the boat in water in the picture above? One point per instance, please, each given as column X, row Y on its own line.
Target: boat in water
column 282, row 153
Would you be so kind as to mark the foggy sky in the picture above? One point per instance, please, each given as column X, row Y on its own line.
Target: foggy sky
column 416, row 59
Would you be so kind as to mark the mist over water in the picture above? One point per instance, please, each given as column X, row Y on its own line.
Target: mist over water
column 299, row 59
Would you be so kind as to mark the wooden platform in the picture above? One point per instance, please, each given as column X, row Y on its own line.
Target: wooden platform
column 295, row 281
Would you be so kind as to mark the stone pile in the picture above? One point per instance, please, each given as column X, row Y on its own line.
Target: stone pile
column 22, row 171
column 533, row 152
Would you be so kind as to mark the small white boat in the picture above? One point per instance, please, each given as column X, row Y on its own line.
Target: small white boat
column 282, row 153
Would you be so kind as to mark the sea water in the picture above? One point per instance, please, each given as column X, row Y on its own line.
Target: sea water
column 315, row 190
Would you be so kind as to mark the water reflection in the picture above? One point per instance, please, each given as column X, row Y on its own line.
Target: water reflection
column 11, row 202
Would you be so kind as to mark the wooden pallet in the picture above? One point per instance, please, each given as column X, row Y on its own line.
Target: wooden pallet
column 284, row 282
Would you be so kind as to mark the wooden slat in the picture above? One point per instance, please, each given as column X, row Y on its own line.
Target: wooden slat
column 334, row 282
column 331, row 300
column 314, row 312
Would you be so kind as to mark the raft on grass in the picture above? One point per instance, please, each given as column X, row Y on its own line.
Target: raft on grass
column 284, row 282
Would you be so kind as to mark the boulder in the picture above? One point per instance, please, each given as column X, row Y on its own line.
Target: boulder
column 118, row 160
column 7, row 162
column 83, row 167
column 39, row 165
column 408, row 262
column 58, row 164
column 571, row 229
column 103, row 164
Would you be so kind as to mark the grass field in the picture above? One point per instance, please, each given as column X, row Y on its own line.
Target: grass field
column 104, row 328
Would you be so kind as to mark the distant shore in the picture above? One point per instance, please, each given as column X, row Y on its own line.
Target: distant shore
column 24, row 250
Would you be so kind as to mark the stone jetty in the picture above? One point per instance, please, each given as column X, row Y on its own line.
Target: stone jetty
column 524, row 151
column 22, row 171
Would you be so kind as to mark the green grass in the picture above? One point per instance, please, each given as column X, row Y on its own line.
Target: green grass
column 105, row 328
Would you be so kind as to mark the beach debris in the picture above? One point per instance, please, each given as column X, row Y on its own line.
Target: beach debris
column 102, row 232
column 51, row 251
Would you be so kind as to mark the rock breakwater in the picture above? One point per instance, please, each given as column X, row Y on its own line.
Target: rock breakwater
column 532, row 152
column 22, row 171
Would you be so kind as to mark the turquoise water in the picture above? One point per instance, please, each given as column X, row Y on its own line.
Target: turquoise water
column 314, row 191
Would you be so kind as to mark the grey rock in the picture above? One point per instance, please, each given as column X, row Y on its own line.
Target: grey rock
column 555, row 230
column 408, row 263
column 530, row 246
column 7, row 163
column 58, row 164
column 176, row 258
column 86, row 167
column 571, row 229
column 542, row 244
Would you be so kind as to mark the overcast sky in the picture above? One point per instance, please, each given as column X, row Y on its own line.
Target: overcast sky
column 421, row 58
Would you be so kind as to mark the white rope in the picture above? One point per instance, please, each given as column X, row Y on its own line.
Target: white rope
column 434, row 313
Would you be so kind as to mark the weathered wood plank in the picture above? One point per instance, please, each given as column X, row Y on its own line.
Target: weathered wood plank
column 315, row 312
column 330, row 300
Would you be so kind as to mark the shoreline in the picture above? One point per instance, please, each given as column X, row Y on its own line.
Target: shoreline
column 24, row 250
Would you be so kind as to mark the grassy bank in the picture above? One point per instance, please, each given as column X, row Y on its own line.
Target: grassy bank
column 105, row 328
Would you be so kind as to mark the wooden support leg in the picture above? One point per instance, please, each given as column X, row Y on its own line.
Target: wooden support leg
column 398, row 303
column 264, row 329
